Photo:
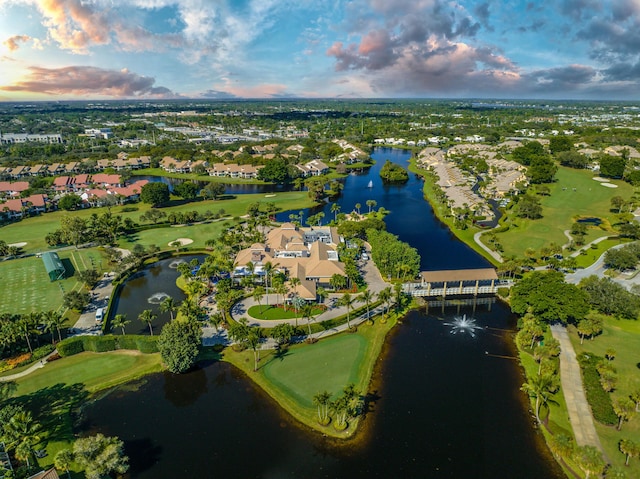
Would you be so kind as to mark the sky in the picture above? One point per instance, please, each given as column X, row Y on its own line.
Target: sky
column 273, row 49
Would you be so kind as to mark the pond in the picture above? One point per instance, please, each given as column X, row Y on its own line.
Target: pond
column 446, row 405
column 146, row 289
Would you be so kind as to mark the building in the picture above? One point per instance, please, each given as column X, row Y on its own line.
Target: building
column 304, row 253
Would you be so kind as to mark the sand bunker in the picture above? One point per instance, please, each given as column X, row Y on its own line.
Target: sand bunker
column 18, row 245
column 598, row 178
column 609, row 185
column 182, row 241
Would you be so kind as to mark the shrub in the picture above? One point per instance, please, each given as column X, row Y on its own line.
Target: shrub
column 99, row 344
column 598, row 399
column 147, row 344
column 70, row 346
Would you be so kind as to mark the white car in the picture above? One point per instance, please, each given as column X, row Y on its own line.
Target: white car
column 99, row 315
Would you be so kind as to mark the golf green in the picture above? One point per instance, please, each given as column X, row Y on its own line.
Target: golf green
column 329, row 365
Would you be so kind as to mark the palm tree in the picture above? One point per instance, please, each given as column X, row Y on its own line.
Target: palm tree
column 590, row 460
column 26, row 327
column 371, row 204
column 282, row 289
column 258, row 294
column 335, row 209
column 322, row 401
column 120, row 321
column 541, row 388
column 148, row 317
column 385, row 297
column 54, row 319
column 253, row 340
column 321, row 293
column 22, row 433
column 298, row 302
column 63, row 460
column 307, row 313
column 348, row 301
column 366, row 297
column 624, row 409
column 189, row 308
column 629, row 449
column 358, row 206
column 268, row 271
column 168, row 304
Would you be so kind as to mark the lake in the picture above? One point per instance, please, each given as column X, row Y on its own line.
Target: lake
column 446, row 405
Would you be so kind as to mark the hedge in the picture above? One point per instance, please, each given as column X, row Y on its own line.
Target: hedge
column 598, row 398
column 101, row 344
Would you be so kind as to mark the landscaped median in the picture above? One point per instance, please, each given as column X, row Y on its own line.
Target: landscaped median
column 293, row 376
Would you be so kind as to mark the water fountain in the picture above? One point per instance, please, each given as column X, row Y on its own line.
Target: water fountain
column 176, row 263
column 461, row 324
column 157, row 298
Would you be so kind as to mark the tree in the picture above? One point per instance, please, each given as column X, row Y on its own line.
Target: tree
column 21, row 434
column 348, row 301
column 147, row 316
column 548, row 297
column 63, row 460
column 100, row 456
column 541, row 388
column 282, row 333
column 629, row 449
column 186, row 190
column 53, row 320
column 590, row 460
column 617, row 202
column 74, row 229
column 155, row 193
column 612, row 166
column 120, row 321
column 561, row 445
column 213, row 190
column 367, row 297
column 239, row 331
column 338, row 281
column 307, row 313
column 168, row 304
column 253, row 341
column 75, row 299
column 385, row 297
column 258, row 294
column 529, row 207
column 547, row 351
column 179, row 344
column 275, row 171
column 322, row 401
column 69, row 202
column 371, row 204
column 624, row 409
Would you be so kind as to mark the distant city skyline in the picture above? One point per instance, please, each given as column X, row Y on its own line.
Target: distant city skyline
column 272, row 49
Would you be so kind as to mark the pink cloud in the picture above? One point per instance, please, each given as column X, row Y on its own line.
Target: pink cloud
column 88, row 81
column 256, row 91
column 13, row 43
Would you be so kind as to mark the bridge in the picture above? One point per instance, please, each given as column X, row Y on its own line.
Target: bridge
column 455, row 282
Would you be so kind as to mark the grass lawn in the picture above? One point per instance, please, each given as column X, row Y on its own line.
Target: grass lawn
column 28, row 285
column 623, row 336
column 273, row 312
column 591, row 254
column 51, row 393
column 561, row 208
column 292, row 378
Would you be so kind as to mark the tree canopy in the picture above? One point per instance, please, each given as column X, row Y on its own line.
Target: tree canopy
column 179, row 345
column 548, row 297
column 155, row 193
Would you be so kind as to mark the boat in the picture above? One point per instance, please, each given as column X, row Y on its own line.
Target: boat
column 370, row 185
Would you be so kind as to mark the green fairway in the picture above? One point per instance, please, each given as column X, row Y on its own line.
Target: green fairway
column 29, row 288
column 95, row 371
column 327, row 366
column 575, row 194
column 33, row 230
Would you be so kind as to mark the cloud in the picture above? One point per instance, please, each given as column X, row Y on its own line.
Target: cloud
column 13, row 43
column 88, row 81
column 217, row 94
column 265, row 90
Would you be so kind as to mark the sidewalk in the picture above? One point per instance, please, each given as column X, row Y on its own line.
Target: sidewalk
column 571, row 379
column 37, row 365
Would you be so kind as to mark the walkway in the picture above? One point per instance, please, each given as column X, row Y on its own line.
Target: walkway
column 37, row 365
column 100, row 295
column 494, row 254
column 571, row 379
